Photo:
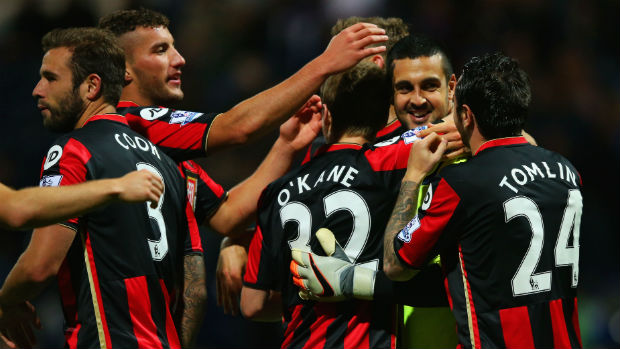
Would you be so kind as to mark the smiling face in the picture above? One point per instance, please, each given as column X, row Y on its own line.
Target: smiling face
column 59, row 102
column 422, row 93
column 153, row 66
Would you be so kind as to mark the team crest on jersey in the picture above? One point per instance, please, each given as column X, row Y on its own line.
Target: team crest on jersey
column 153, row 113
column 183, row 117
column 411, row 135
column 428, row 197
column 50, row 181
column 192, row 187
column 407, row 232
column 53, row 156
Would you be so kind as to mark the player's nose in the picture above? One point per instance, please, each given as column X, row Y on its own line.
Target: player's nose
column 417, row 98
column 37, row 92
column 177, row 59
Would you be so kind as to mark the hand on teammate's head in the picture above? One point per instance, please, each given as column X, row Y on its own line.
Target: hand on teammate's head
column 352, row 45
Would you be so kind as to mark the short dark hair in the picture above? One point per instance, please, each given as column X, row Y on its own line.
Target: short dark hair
column 124, row 21
column 395, row 28
column 498, row 92
column 358, row 100
column 94, row 51
column 415, row 46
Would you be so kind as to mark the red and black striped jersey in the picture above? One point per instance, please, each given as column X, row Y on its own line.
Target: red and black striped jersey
column 180, row 134
column 389, row 132
column 506, row 224
column 203, row 193
column 120, row 280
column 351, row 190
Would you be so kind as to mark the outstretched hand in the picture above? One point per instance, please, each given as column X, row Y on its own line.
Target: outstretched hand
column 301, row 129
column 352, row 45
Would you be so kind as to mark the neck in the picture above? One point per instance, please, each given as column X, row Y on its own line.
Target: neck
column 476, row 141
column 92, row 109
column 130, row 93
column 352, row 140
column 391, row 115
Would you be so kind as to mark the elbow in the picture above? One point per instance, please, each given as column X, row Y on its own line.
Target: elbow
column 250, row 310
column 19, row 218
column 42, row 273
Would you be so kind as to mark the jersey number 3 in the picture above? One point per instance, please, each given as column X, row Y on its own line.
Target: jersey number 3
column 525, row 281
column 159, row 248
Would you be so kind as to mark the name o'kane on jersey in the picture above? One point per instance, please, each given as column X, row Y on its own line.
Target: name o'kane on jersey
column 345, row 175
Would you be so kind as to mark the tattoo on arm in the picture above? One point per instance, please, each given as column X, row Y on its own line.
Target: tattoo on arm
column 403, row 212
column 194, row 299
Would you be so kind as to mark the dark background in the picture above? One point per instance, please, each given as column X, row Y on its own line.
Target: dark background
column 235, row 49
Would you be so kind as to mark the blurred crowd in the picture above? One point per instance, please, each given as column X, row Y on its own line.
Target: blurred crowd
column 236, row 48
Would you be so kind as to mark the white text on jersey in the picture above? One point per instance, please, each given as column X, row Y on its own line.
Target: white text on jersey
column 533, row 172
column 136, row 143
column 335, row 175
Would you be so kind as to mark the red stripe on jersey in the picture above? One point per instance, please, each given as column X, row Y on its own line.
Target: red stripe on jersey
column 188, row 136
column 358, row 328
column 472, row 308
column 290, row 329
column 326, row 314
column 516, row 327
column 501, row 141
column 576, row 323
column 72, row 164
column 171, row 331
column 213, row 186
column 71, row 336
column 254, row 254
column 447, row 287
column 388, row 158
column 194, row 232
column 95, row 276
column 389, row 128
column 558, row 323
column 444, row 202
column 69, row 304
column 140, row 311
column 112, row 117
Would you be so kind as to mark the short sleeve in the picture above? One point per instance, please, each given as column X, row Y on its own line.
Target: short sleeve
column 181, row 134
column 65, row 164
column 204, row 194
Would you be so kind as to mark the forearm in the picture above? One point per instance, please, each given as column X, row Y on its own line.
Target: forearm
column 403, row 212
column 194, row 299
column 256, row 116
column 262, row 306
column 22, row 284
column 32, row 207
column 239, row 209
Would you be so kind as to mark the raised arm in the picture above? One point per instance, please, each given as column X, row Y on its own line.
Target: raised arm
column 423, row 157
column 32, row 207
column 262, row 112
column 238, row 211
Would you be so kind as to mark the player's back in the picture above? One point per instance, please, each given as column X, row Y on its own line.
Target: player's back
column 512, row 249
column 119, row 280
column 350, row 190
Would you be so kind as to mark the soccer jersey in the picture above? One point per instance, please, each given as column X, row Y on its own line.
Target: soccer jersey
column 203, row 193
column 506, row 224
column 389, row 133
column 180, row 134
column 351, row 190
column 120, row 280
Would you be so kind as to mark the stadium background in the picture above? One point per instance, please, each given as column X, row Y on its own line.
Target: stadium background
column 234, row 49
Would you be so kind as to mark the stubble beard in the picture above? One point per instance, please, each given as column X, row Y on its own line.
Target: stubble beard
column 64, row 118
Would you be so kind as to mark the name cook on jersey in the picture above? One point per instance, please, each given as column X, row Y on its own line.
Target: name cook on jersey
column 533, row 171
column 136, row 142
column 338, row 174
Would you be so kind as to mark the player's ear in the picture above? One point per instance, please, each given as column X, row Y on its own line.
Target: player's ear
column 326, row 121
column 378, row 60
column 451, row 90
column 128, row 74
column 467, row 116
column 93, row 86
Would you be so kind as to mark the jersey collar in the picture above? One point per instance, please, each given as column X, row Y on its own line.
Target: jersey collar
column 111, row 117
column 389, row 128
column 501, row 141
column 337, row 146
